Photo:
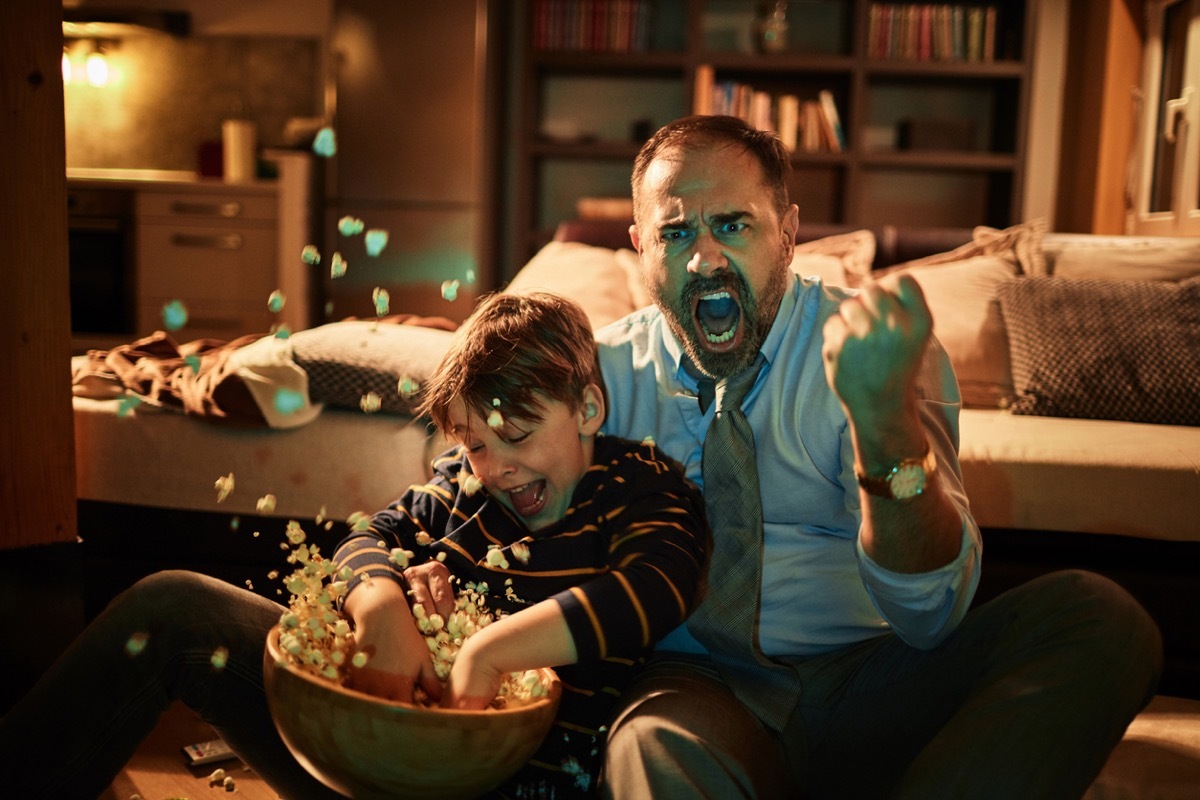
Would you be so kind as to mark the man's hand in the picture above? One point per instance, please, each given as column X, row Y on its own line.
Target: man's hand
column 430, row 586
column 874, row 346
column 474, row 679
column 385, row 630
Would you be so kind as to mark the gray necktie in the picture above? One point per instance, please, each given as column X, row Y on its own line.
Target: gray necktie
column 726, row 621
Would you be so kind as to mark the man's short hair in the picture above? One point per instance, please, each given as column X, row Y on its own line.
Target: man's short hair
column 702, row 130
column 519, row 350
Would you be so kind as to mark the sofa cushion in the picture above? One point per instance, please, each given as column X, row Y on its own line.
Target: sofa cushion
column 591, row 276
column 1120, row 350
column 346, row 360
column 960, row 289
column 842, row 259
column 1144, row 258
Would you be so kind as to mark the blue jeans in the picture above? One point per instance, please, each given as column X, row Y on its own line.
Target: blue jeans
column 83, row 720
column 1025, row 699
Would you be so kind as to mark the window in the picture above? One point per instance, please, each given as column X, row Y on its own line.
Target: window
column 1166, row 188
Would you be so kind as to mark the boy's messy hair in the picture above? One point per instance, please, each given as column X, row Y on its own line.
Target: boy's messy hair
column 519, row 350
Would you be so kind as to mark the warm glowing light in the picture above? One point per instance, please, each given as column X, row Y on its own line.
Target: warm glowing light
column 66, row 66
column 97, row 68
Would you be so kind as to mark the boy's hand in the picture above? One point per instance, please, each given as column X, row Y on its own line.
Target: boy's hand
column 430, row 585
column 474, row 681
column 385, row 630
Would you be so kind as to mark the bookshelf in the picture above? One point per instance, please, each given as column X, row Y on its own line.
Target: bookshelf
column 932, row 101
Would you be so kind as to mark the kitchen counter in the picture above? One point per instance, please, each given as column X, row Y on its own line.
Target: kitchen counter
column 172, row 180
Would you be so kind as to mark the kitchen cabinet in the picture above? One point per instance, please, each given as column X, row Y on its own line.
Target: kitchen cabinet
column 933, row 135
column 215, row 251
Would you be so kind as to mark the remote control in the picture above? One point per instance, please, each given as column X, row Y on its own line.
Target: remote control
column 208, row 752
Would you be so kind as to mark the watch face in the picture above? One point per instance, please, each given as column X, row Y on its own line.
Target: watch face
column 907, row 481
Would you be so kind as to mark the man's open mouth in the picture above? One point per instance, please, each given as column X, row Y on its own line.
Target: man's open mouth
column 717, row 316
column 529, row 499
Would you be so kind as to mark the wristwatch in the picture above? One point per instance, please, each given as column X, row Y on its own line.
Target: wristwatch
column 904, row 481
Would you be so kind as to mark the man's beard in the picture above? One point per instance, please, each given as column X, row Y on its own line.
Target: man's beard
column 757, row 314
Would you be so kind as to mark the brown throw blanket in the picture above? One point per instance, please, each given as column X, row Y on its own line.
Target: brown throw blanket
column 194, row 377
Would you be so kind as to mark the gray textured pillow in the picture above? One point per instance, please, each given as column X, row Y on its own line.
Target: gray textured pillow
column 346, row 360
column 1127, row 350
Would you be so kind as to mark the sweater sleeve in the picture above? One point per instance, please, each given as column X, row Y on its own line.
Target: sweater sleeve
column 657, row 545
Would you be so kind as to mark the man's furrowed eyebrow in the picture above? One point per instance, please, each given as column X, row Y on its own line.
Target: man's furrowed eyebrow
column 729, row 216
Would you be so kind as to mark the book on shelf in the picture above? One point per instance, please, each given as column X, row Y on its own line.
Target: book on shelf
column 931, row 32
column 601, row 26
column 788, row 120
column 832, row 120
column 604, row 208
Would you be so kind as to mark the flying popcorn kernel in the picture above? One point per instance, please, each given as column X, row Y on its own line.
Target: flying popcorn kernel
column 375, row 240
column 325, row 143
column 266, row 504
column 648, row 440
column 310, row 255
column 423, row 538
column 370, row 402
column 282, row 331
column 137, row 643
column 495, row 558
column 381, row 299
column 224, row 486
column 174, row 315
column 450, row 290
column 470, row 276
column 288, row 401
column 350, row 226
column 337, row 266
column 220, row 657
column 471, row 484
column 275, row 302
column 399, row 556
column 520, row 551
column 358, row 521
column 407, row 387
column 128, row 403
column 495, row 420
column 192, row 361
column 234, row 523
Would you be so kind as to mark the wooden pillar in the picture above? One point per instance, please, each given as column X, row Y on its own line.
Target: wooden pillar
column 37, row 455
column 1104, row 67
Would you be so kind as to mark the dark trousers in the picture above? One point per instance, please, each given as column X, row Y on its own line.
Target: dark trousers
column 1025, row 699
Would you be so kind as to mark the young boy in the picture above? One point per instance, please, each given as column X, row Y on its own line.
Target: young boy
column 600, row 540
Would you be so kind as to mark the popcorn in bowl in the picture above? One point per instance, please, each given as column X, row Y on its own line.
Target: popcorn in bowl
column 370, row 747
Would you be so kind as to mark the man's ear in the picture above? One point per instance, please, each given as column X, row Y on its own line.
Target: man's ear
column 791, row 223
column 635, row 238
column 591, row 411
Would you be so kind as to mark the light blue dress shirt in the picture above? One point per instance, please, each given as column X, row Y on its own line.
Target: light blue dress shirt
column 820, row 590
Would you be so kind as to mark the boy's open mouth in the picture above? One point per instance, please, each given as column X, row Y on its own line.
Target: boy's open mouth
column 529, row 499
column 718, row 317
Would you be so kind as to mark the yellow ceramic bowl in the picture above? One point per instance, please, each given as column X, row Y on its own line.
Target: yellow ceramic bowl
column 368, row 747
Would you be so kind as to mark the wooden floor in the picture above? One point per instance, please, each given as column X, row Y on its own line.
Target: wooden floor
column 159, row 770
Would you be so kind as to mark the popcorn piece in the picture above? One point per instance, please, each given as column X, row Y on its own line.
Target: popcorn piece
column 495, row 558
column 137, row 643
column 407, row 387
column 288, row 401
column 350, row 226
column 370, row 402
column 520, row 551
column 128, row 403
column 229, row 784
column 276, row 301
column 337, row 266
column 381, row 299
column 495, row 420
column 174, row 315
column 220, row 657
column 217, row 776
column 223, row 485
column 400, row 557
column 375, row 240
column 282, row 331
column 358, row 521
column 450, row 290
column 423, row 538
column 192, row 361
column 325, row 143
column 471, row 484
column 310, row 255
column 265, row 504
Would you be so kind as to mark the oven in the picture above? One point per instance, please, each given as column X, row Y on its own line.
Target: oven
column 100, row 226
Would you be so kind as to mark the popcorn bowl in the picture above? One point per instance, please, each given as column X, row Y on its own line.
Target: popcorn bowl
column 368, row 747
